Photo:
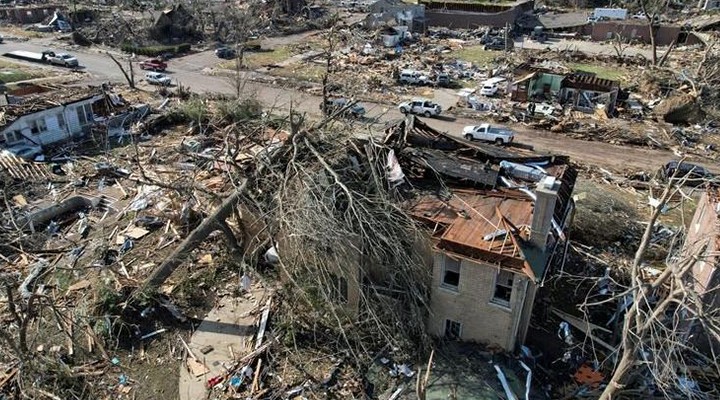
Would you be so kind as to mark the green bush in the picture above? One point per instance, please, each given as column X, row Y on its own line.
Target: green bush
column 154, row 51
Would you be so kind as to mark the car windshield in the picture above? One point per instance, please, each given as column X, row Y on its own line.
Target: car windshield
column 65, row 56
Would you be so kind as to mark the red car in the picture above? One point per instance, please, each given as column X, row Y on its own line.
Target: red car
column 153, row 64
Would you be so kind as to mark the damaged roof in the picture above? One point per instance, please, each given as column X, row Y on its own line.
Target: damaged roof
column 37, row 102
column 587, row 81
column 480, row 211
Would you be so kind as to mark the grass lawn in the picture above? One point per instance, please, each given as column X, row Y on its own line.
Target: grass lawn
column 302, row 71
column 11, row 72
column 475, row 54
column 257, row 59
column 605, row 72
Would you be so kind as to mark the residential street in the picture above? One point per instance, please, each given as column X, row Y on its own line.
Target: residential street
column 192, row 71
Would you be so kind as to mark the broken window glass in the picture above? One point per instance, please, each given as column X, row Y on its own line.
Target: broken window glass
column 503, row 288
column 453, row 329
column 451, row 273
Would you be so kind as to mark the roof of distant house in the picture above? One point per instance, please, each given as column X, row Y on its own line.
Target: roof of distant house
column 564, row 20
column 587, row 81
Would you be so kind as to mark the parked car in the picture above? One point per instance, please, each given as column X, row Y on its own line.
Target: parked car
column 420, row 107
column 225, row 53
column 64, row 59
column 412, row 77
column 443, row 79
column 676, row 170
column 153, row 64
column 156, row 78
column 334, row 105
column 488, row 133
column 495, row 45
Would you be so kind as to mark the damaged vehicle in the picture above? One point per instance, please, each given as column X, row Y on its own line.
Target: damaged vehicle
column 679, row 170
column 422, row 107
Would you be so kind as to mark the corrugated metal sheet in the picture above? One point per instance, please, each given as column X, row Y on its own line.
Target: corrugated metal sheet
column 469, row 216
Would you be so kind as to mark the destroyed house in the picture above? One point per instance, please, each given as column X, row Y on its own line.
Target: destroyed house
column 534, row 82
column 45, row 118
column 586, row 92
column 496, row 230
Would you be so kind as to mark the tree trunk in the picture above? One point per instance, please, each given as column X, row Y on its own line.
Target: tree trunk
column 622, row 367
column 653, row 31
column 208, row 225
column 128, row 78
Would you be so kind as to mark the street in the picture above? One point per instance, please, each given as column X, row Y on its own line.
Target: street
column 191, row 71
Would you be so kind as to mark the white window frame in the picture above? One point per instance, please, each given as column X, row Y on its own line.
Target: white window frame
column 498, row 300
column 444, row 270
column 14, row 136
column 60, row 116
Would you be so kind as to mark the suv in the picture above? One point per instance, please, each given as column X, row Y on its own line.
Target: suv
column 225, row 53
column 420, row 107
column 63, row 59
column 334, row 105
column 153, row 64
column 156, row 78
column 412, row 77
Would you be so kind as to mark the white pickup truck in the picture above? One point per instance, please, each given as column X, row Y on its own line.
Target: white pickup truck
column 420, row 107
column 488, row 133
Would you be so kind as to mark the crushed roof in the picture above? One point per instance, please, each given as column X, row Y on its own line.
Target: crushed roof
column 472, row 217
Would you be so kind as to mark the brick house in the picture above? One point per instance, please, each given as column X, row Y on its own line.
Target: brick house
column 493, row 239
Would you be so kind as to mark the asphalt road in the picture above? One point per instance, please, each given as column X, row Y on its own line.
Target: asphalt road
column 191, row 71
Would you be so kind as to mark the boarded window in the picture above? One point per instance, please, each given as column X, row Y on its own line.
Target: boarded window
column 338, row 289
column 451, row 273
column 503, row 288
column 453, row 329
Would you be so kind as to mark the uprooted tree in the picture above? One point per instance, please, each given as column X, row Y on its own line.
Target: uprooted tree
column 661, row 316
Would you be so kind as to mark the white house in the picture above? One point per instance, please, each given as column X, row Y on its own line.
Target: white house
column 48, row 118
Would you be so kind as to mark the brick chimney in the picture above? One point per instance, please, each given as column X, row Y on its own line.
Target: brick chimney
column 546, row 194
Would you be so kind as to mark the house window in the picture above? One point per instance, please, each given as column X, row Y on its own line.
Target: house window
column 85, row 114
column 453, row 329
column 338, row 289
column 13, row 136
column 38, row 126
column 451, row 274
column 503, row 288
column 61, row 120
column 89, row 112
